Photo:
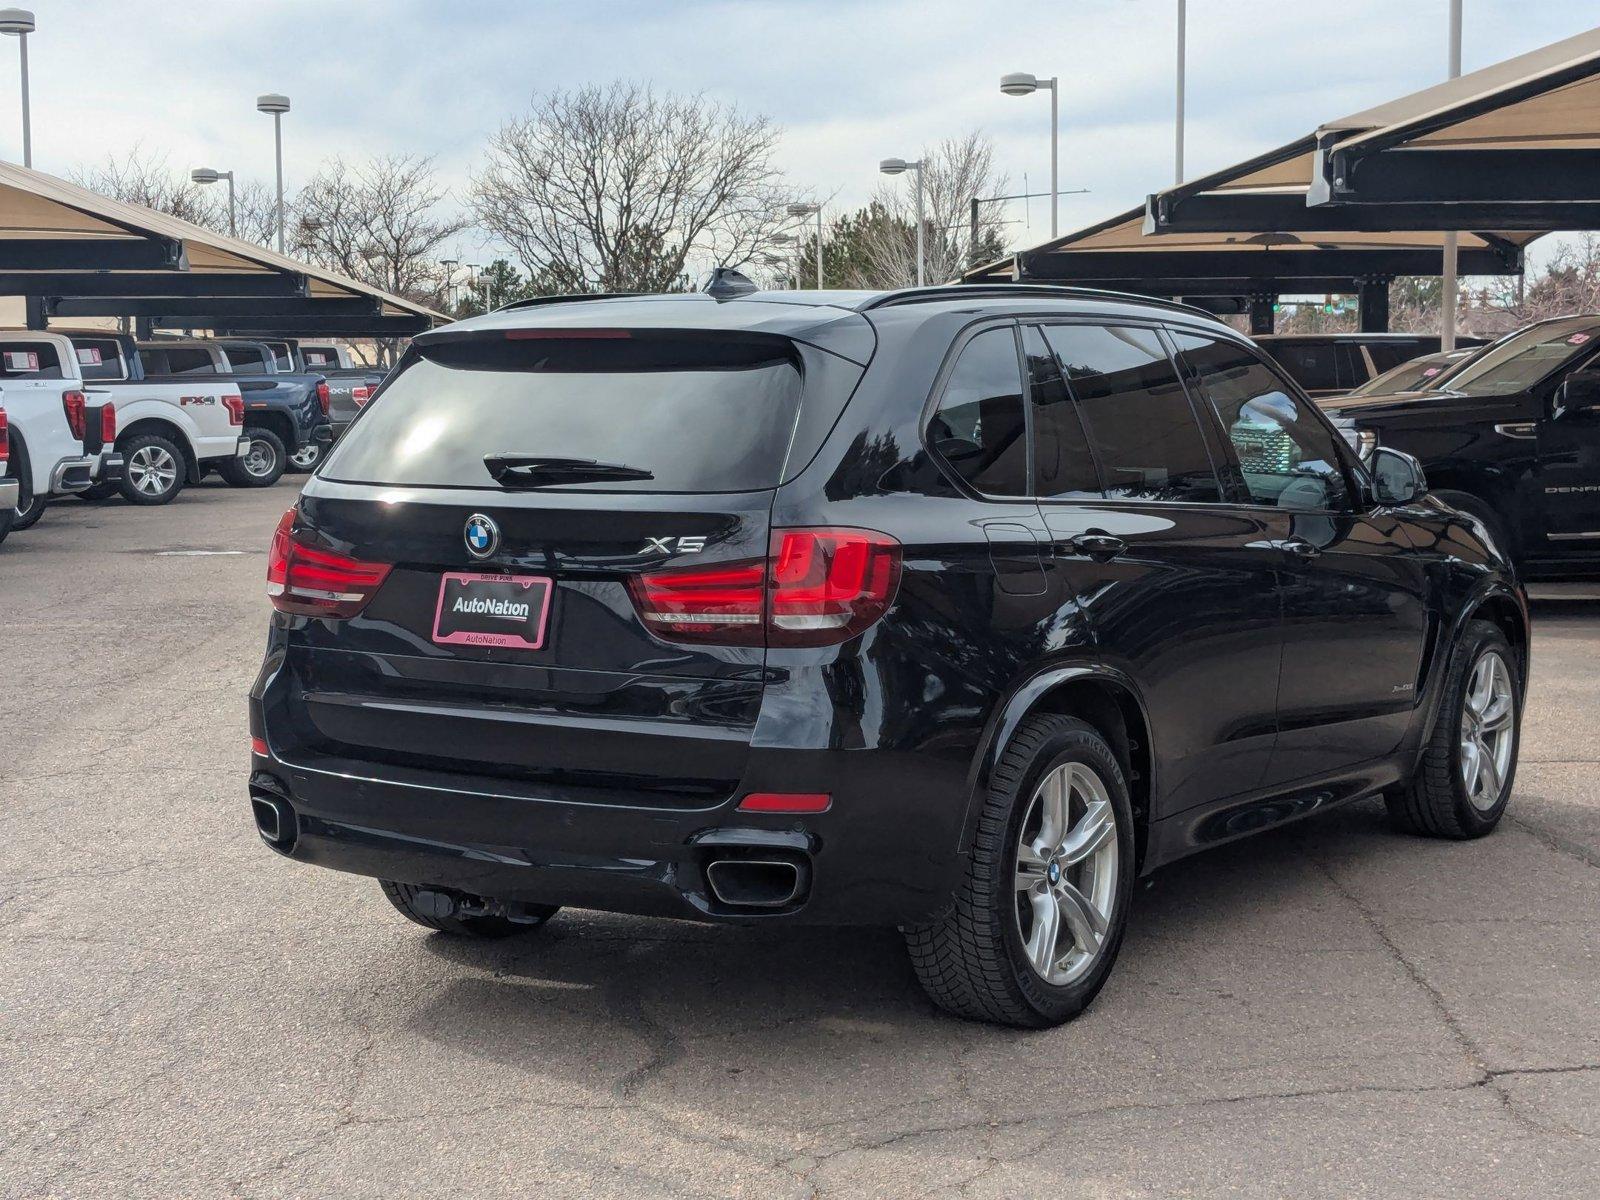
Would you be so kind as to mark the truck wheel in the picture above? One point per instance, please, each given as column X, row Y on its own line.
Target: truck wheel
column 98, row 493
column 404, row 897
column 1463, row 783
column 6, row 517
column 262, row 465
column 1039, row 917
column 154, row 471
column 30, row 505
column 306, row 458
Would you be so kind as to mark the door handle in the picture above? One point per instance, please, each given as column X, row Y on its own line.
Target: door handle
column 1299, row 548
column 1099, row 546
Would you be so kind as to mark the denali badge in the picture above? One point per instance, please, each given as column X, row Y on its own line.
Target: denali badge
column 482, row 536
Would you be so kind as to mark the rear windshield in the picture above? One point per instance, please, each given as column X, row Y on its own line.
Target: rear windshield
column 700, row 413
column 177, row 360
column 1521, row 360
column 248, row 359
column 99, row 358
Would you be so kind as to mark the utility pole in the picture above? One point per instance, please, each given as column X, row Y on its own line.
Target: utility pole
column 1177, row 169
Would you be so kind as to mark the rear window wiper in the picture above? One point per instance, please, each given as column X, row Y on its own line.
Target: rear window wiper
column 538, row 470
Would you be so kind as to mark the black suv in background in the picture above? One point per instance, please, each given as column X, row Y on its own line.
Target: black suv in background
column 1512, row 436
column 956, row 609
column 1326, row 364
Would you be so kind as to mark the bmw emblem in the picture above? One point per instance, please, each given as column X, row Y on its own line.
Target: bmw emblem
column 1055, row 872
column 482, row 536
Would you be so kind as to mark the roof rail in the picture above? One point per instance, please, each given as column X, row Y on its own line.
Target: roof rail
column 949, row 291
column 568, row 298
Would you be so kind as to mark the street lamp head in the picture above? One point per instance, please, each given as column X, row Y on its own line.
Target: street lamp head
column 781, row 239
column 204, row 175
column 16, row 21
column 272, row 102
column 801, row 209
column 894, row 166
column 1019, row 83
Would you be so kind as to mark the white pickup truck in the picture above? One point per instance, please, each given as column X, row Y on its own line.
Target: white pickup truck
column 46, row 410
column 8, row 483
column 170, row 428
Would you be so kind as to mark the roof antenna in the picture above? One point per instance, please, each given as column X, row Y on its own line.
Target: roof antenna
column 726, row 283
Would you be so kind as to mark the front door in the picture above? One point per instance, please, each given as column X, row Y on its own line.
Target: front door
column 1352, row 590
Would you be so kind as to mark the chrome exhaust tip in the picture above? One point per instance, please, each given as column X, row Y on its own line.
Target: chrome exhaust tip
column 755, row 882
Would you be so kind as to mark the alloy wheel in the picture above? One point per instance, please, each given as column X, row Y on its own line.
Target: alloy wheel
column 305, row 458
column 152, row 470
column 260, row 458
column 1488, row 735
column 1066, row 873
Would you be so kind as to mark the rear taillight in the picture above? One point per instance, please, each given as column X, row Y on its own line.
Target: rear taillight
column 816, row 587
column 74, row 405
column 108, row 424
column 318, row 583
column 235, row 407
column 360, row 395
column 5, row 439
column 323, row 397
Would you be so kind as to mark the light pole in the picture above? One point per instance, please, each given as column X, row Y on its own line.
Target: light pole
column 450, row 265
column 207, row 175
column 277, row 105
column 475, row 282
column 790, row 270
column 1447, row 285
column 1022, row 84
column 899, row 166
column 1183, row 21
column 18, row 23
column 806, row 210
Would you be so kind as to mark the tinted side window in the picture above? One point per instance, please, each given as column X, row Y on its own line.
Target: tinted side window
column 1288, row 458
column 1310, row 364
column 1062, row 463
column 247, row 359
column 177, row 361
column 1138, row 416
column 979, row 427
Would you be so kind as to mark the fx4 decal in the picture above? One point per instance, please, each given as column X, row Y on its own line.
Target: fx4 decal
column 187, row 400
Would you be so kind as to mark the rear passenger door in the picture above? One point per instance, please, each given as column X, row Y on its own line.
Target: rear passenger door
column 1179, row 586
column 1354, row 593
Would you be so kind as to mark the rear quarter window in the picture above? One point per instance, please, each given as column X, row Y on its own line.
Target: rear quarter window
column 704, row 413
column 29, row 360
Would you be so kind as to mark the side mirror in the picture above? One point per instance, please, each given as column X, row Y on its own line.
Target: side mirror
column 1397, row 478
column 1581, row 392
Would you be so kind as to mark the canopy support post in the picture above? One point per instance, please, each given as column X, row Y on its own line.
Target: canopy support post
column 1261, row 315
column 1373, row 304
column 37, row 317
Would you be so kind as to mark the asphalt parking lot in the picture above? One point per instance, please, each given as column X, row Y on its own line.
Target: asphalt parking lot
column 1332, row 1009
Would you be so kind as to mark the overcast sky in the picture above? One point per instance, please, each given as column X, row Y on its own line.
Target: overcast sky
column 849, row 82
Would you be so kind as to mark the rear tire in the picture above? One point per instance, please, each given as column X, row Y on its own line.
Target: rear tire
column 98, row 493
column 30, row 505
column 154, row 470
column 6, row 517
column 1463, row 783
column 262, row 465
column 306, row 459
column 1019, row 905
column 403, row 896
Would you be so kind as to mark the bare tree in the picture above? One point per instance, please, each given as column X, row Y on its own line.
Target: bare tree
column 621, row 189
column 148, row 180
column 381, row 222
column 954, row 171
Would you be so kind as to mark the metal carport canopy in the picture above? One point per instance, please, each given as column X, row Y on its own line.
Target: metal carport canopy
column 73, row 252
column 1512, row 147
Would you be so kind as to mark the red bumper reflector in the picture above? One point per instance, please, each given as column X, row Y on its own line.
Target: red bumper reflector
column 786, row 802
column 258, row 746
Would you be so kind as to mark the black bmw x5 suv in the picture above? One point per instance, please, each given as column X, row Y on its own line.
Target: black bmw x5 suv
column 955, row 609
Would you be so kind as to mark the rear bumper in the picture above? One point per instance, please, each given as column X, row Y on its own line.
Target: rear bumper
column 861, row 862
column 10, row 490
column 73, row 475
column 111, row 469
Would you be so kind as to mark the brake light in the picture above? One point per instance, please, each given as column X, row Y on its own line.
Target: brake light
column 74, row 405
column 360, row 395
column 322, row 395
column 816, row 587
column 108, row 424
column 258, row 746
column 5, row 439
column 235, row 407
column 310, row 582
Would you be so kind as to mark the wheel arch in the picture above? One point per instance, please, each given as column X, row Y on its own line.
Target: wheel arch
column 277, row 422
column 1097, row 694
column 170, row 430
